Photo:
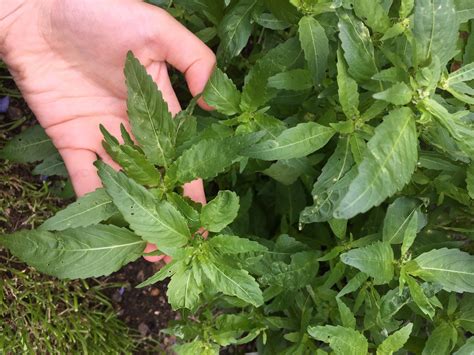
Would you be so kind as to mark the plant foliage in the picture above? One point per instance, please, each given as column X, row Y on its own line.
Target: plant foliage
column 339, row 168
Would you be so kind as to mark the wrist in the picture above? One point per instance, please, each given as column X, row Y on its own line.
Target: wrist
column 10, row 11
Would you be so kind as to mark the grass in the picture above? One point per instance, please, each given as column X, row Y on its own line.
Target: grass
column 40, row 314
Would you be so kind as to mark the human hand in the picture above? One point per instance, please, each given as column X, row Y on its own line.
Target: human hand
column 67, row 58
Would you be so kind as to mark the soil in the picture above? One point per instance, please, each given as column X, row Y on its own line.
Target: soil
column 145, row 310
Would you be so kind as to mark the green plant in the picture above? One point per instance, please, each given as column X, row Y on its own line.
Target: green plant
column 41, row 314
column 348, row 147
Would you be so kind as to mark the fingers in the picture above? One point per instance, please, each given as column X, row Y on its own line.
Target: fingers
column 184, row 51
column 154, row 259
column 159, row 73
column 195, row 191
column 80, row 165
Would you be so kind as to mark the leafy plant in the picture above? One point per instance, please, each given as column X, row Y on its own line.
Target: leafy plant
column 340, row 164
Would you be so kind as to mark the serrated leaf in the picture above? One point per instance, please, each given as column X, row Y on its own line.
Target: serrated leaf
column 395, row 341
column 453, row 269
column 331, row 185
column 133, row 162
column 347, row 317
column 183, row 290
column 435, row 28
column 343, row 341
column 151, row 121
column 233, row 282
column 256, row 92
column 419, row 297
column 92, row 208
column 299, row 273
column 196, row 347
column 390, row 160
column 358, row 47
column 463, row 74
column 222, row 94
column 155, row 221
column 76, row 253
column 220, row 212
column 288, row 171
column 399, row 214
column 467, row 348
column 460, row 131
column 354, row 284
column 373, row 14
column 464, row 10
column 296, row 142
column 29, row 146
column 166, row 271
column 441, row 340
column 235, row 29
column 293, row 80
column 315, row 45
column 210, row 157
column 410, row 233
column 375, row 260
column 398, row 94
column 230, row 244
column 347, row 90
column 51, row 166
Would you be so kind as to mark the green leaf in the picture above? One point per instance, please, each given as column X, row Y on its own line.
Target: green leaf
column 466, row 313
column 406, row 7
column 331, row 185
column 357, row 46
column 441, row 340
column 435, row 29
column 465, row 73
column 51, row 166
column 220, row 212
column 453, row 269
column 467, row 348
column 222, row 94
column 464, row 10
column 152, row 124
column 419, row 297
column 29, row 146
column 197, row 347
column 210, row 157
column 288, row 171
column 293, row 80
column 230, row 244
column 183, row 290
column 268, row 20
column 166, row 271
column 395, row 341
column 375, row 260
column 347, row 317
column 347, row 90
column 390, row 160
column 398, row 94
column 373, row 14
column 354, row 284
column 155, row 221
column 343, row 341
column 299, row 273
column 398, row 217
column 315, row 47
column 76, row 253
column 233, row 282
column 460, row 131
column 410, row 234
column 256, row 92
column 133, row 162
column 296, row 142
column 92, row 208
column 235, row 29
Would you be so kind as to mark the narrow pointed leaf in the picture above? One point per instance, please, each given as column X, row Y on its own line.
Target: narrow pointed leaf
column 76, row 253
column 155, row 221
column 296, row 142
column 222, row 94
column 343, row 341
column 92, row 208
column 389, row 163
column 395, row 341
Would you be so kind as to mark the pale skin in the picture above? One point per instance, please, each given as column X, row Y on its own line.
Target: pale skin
column 67, row 58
